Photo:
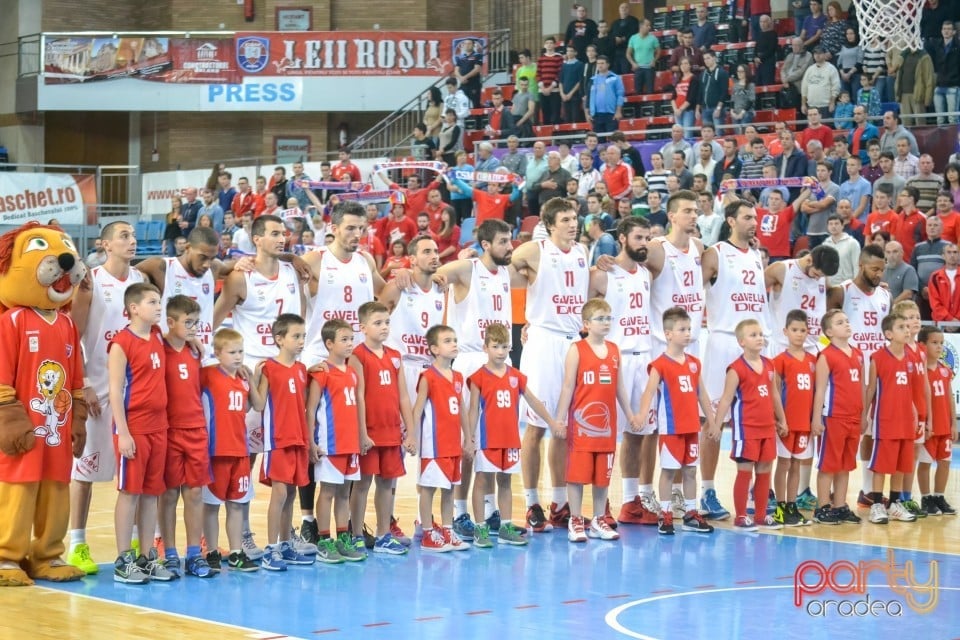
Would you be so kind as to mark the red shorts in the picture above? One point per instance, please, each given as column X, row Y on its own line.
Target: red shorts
column 497, row 461
column 143, row 474
column 439, row 473
column 796, row 444
column 231, row 477
column 892, row 455
column 589, row 467
column 939, row 447
column 188, row 462
column 384, row 462
column 754, row 449
column 679, row 450
column 839, row 445
column 287, row 465
column 337, row 469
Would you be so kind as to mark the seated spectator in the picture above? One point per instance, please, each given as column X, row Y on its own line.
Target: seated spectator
column 900, row 277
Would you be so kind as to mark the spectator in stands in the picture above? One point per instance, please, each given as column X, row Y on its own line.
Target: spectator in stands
column 685, row 49
column 527, row 70
column 513, row 160
column 834, row 32
column 714, row 91
column 586, row 176
column 494, row 201
column 278, row 183
column 589, row 70
column 469, row 70
column 673, row 185
column 849, row 61
column 396, row 260
column 592, row 143
column 605, row 101
column 567, row 161
column 846, row 246
column 600, row 243
column 294, row 190
column 643, row 50
column 99, row 255
column 704, row 31
column 945, row 53
column 883, row 217
column 949, row 218
column 433, row 113
column 791, row 163
column 523, row 111
column 841, row 152
column 211, row 209
column 815, row 155
column 862, row 132
column 457, row 101
column 770, row 172
column 627, row 151
column 485, row 161
column 853, row 227
column 815, row 130
column 753, row 166
column 622, row 30
column 872, row 169
column 685, row 92
column 892, row 131
column 773, row 225
column 499, row 121
column 172, row 230
column 708, row 221
column 928, row 182
column 679, row 170
column 705, row 165
column 657, row 176
column 580, row 32
column 617, row 174
column 241, row 239
column 536, row 166
column 270, row 208
column 548, row 82
column 571, row 78
column 423, row 146
column 911, row 227
column 603, row 44
column 225, row 192
column 398, row 226
column 811, row 29
column 935, row 13
column 856, row 189
column 461, row 202
column 229, row 223
column 579, row 201
column 180, row 246
column 450, row 136
column 843, row 115
column 766, row 50
column 905, row 164
column 821, row 84
column 259, row 194
column 189, row 211
column 345, row 168
column 927, row 258
column 730, row 163
column 553, row 181
column 677, row 143
column 795, row 66
column 448, row 237
column 951, row 182
column 888, row 176
column 943, row 289
column 914, row 85
column 657, row 214
column 638, row 197
column 818, row 209
column 743, row 99
column 244, row 200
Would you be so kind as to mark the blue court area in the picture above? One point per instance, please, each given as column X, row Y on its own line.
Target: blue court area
column 724, row 585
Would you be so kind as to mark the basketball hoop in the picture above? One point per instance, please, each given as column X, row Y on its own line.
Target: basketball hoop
column 894, row 23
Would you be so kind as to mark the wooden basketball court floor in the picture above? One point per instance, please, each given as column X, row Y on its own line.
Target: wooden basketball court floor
column 724, row 585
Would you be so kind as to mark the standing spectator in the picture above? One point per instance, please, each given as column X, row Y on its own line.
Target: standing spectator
column 225, row 191
column 571, row 76
column 914, row 85
column 677, row 143
column 872, row 170
column 259, row 196
column 433, row 113
column 294, row 190
column 536, row 166
column 753, row 165
column 943, row 290
column 945, row 53
column 743, row 100
column 875, row 65
column 815, row 130
column 935, row 13
column 758, row 9
column 462, row 202
column 767, row 50
column 601, row 243
column 469, row 71
column 812, row 27
column 714, row 91
column 523, row 110
column 528, row 71
column 589, row 70
column 704, row 31
column 513, row 160
column 622, row 30
column 605, row 103
column 278, row 183
column 951, row 182
column 457, row 101
column 657, row 176
column 580, row 32
column 423, row 146
column 819, row 209
column 905, row 164
column 243, row 201
column 603, row 43
column 680, row 171
column 448, row 237
column 792, row 163
column 587, row 176
column 705, row 165
column 799, row 11
column 888, row 176
column 846, row 246
column 892, row 131
column 345, row 168
column 450, row 134
column 230, row 226
column 856, row 189
column 567, row 161
column 949, row 219
column 617, row 175
column 821, row 85
column 553, row 181
column 927, row 258
column 912, row 225
column 627, row 151
column 685, row 92
column 849, row 61
column 485, row 161
column 730, row 164
column 816, row 155
column 834, row 31
column 548, row 81
column 189, row 211
column 841, row 152
column 795, row 66
column 685, row 49
column 928, row 182
column 643, row 50
column 862, row 132
column 211, row 208
column 853, row 227
column 172, row 230
column 499, row 121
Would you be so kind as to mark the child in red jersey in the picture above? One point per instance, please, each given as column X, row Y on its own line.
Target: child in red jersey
column 282, row 382
column 676, row 382
column 495, row 392
column 336, row 418
column 757, row 419
column 894, row 419
column 587, row 405
column 227, row 395
column 941, row 430
column 440, row 425
column 922, row 399
column 796, row 370
column 837, row 418
column 387, row 410
column 187, row 468
column 138, row 397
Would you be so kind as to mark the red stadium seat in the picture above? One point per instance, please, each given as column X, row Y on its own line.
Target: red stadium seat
column 528, row 223
column 628, row 86
column 803, row 242
column 662, row 80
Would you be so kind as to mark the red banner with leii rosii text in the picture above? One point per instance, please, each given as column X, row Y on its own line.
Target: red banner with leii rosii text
column 355, row 53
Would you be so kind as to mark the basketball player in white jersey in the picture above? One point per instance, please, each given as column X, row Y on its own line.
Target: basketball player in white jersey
column 736, row 291
column 865, row 303
column 557, row 279
column 256, row 298
column 478, row 296
column 800, row 284
column 626, row 288
column 99, row 314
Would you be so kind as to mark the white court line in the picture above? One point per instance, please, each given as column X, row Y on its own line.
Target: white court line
column 862, row 543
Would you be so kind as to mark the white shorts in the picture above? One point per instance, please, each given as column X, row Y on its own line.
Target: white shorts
column 328, row 473
column 633, row 372
column 468, row 364
column 99, row 460
column 510, row 459
column 542, row 362
column 411, row 375
column 722, row 350
column 254, row 420
column 434, row 477
column 806, row 454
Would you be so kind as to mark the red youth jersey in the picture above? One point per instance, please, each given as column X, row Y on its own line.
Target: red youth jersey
column 284, row 416
column 440, row 432
column 844, row 395
column 225, row 409
column 752, row 408
column 381, row 394
column 798, row 376
column 337, row 428
column 499, row 423
column 145, row 391
column 592, row 422
column 892, row 417
column 182, row 373
column 940, row 379
column 918, row 381
column 677, row 394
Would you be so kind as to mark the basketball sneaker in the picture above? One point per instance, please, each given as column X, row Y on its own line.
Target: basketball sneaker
column 327, row 552
column 493, row 523
column 693, row 521
column 158, row 570
column 80, row 558
column 636, row 512
column 300, row 545
column 347, row 548
column 309, row 532
column 944, row 506
column 793, row 516
column 677, row 503
column 600, row 529
column 464, row 526
column 710, row 506
column 864, row 501
column 172, row 564
column 511, row 535
column 389, row 545
column 451, row 538
column 649, row 502
column 238, row 561
column 575, row 529
column 607, row 517
column 897, row 511
column 929, row 504
column 537, row 520
column 130, row 569
column 769, row 524
column 433, row 542
column 559, row 516
column 878, row 513
column 481, row 537
column 214, row 560
column 826, row 515
column 197, row 567
column 806, row 500
column 914, row 509
column 665, row 523
column 271, row 559
column 250, row 547
column 369, row 540
column 744, row 523
column 780, row 514
column 398, row 533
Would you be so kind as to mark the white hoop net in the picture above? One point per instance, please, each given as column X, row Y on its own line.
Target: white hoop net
column 894, row 23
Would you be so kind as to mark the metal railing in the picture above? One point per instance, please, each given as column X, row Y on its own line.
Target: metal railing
column 394, row 131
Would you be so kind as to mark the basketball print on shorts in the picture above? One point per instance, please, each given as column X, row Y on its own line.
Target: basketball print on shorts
column 593, row 420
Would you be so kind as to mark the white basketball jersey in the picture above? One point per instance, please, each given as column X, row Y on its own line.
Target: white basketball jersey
column 628, row 294
column 487, row 302
column 738, row 293
column 416, row 311
column 266, row 299
column 105, row 318
column 865, row 311
column 178, row 282
column 801, row 292
column 556, row 297
column 680, row 284
column 342, row 288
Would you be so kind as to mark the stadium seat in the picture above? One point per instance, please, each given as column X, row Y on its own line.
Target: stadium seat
column 803, row 242
column 466, row 231
column 526, row 226
column 141, row 229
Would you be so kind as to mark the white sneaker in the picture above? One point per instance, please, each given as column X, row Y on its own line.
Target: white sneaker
column 575, row 532
column 250, row 547
column 600, row 529
column 300, row 545
column 878, row 514
column 677, row 503
column 650, row 503
column 897, row 511
column 769, row 524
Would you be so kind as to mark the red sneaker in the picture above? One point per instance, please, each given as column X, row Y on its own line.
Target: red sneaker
column 433, row 541
column 634, row 512
column 398, row 533
column 608, row 517
column 536, row 519
column 559, row 516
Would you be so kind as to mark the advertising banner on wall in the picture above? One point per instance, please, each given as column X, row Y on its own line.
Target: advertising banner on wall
column 42, row 196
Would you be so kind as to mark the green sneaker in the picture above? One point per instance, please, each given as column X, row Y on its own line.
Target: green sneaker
column 779, row 516
column 510, row 534
column 348, row 549
column 481, row 536
column 80, row 558
column 914, row 509
column 327, row 551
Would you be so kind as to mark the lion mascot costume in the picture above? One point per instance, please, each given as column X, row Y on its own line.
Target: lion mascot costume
column 42, row 411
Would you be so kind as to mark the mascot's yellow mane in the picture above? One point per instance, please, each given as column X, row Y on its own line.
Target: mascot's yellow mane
column 39, row 267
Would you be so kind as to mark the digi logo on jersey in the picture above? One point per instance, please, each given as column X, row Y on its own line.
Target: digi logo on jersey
column 868, row 341
column 689, row 302
column 750, row 302
column 416, row 345
column 568, row 305
column 635, row 325
column 265, row 331
column 347, row 315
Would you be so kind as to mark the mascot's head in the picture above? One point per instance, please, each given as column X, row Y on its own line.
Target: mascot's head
column 39, row 267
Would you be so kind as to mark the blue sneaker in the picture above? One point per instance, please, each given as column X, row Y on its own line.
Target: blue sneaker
column 197, row 566
column 463, row 526
column 493, row 523
column 389, row 545
column 807, row 501
column 292, row 556
column 710, row 506
column 272, row 560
